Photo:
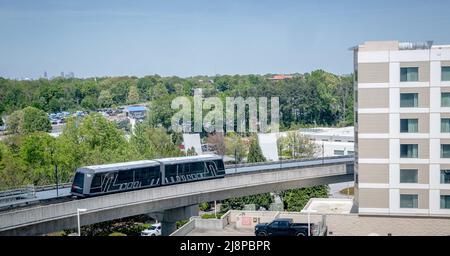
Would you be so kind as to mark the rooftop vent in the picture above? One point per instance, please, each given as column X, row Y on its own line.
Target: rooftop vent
column 415, row 46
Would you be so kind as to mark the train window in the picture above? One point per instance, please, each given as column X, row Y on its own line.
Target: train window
column 154, row 172
column 78, row 183
column 96, row 181
column 142, row 175
column 125, row 176
column 196, row 167
column 219, row 164
column 220, row 167
column 171, row 170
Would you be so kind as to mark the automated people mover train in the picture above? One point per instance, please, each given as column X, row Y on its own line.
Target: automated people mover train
column 111, row 178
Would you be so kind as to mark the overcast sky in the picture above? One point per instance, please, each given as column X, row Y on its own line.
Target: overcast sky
column 191, row 37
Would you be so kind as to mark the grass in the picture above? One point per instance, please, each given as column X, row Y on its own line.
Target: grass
column 211, row 216
column 117, row 234
column 59, row 233
column 348, row 191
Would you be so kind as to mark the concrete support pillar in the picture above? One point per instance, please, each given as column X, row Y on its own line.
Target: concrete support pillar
column 169, row 218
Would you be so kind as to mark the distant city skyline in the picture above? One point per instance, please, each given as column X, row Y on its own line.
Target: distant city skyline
column 189, row 38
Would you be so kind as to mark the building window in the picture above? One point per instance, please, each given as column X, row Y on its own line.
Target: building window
column 445, row 202
column 409, row 125
column 445, row 150
column 408, row 201
column 350, row 152
column 409, row 74
column 339, row 152
column 445, row 99
column 408, row 176
column 409, row 150
column 445, row 176
column 409, row 100
column 445, row 74
column 445, row 125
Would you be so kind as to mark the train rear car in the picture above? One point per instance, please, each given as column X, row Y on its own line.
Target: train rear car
column 191, row 168
column 111, row 178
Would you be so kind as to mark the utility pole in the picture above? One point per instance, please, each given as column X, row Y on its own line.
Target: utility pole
column 281, row 155
column 56, row 175
column 323, row 152
column 235, row 159
column 215, row 208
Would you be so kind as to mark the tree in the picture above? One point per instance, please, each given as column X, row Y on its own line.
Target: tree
column 191, row 152
column 28, row 120
column 35, row 120
column 92, row 140
column 157, row 91
column 89, row 102
column 14, row 122
column 37, row 153
column 255, row 154
column 13, row 172
column 160, row 111
column 296, row 199
column 263, row 200
column 218, row 141
column 133, row 95
column 235, row 147
column 105, row 99
column 295, row 145
column 149, row 142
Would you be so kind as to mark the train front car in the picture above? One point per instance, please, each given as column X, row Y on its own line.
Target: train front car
column 191, row 168
column 81, row 181
column 118, row 177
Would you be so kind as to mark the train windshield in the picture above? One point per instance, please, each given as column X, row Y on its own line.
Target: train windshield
column 78, row 183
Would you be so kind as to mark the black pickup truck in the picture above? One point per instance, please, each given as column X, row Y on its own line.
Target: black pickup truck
column 283, row 227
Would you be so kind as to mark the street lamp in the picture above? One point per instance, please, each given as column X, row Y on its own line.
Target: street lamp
column 78, row 217
column 309, row 220
column 215, row 208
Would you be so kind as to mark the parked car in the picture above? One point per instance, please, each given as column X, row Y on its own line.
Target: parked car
column 153, row 230
column 283, row 227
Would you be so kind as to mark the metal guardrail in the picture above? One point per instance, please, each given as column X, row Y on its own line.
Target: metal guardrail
column 27, row 192
column 52, row 187
column 230, row 166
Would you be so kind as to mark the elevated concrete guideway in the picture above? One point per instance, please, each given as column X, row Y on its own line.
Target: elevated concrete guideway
column 49, row 218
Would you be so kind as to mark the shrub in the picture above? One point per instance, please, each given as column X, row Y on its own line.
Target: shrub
column 204, row 206
column 211, row 216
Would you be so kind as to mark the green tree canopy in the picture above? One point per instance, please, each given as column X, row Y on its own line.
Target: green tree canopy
column 105, row 99
column 295, row 145
column 238, row 203
column 133, row 95
column 235, row 146
column 28, row 120
column 296, row 199
column 255, row 154
column 149, row 142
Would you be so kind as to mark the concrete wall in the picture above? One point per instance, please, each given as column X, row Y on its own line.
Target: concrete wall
column 249, row 219
column 203, row 224
column 186, row 228
column 354, row 225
